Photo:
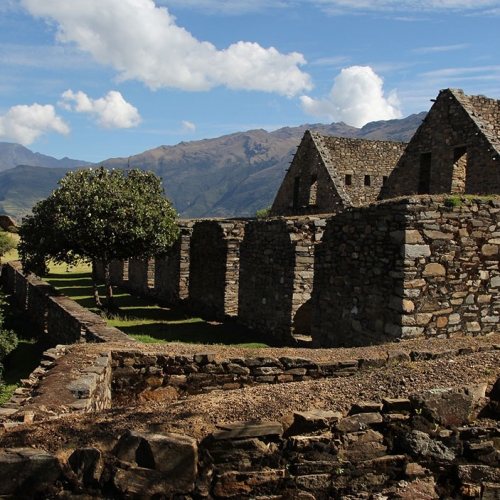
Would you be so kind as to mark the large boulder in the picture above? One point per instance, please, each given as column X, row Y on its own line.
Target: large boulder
column 451, row 406
column 26, row 471
column 158, row 462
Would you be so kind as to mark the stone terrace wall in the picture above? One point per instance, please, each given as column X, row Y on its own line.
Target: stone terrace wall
column 407, row 269
column 214, row 267
column 276, row 276
column 171, row 280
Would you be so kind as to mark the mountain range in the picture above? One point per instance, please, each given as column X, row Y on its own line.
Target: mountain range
column 230, row 176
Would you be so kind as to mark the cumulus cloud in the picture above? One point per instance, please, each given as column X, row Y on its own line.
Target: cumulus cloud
column 25, row 124
column 143, row 42
column 111, row 111
column 356, row 98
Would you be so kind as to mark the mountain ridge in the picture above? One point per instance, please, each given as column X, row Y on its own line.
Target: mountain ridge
column 233, row 175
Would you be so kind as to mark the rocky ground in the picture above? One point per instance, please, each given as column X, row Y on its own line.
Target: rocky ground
column 197, row 415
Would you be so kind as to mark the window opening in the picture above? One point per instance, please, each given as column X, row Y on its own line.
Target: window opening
column 313, row 190
column 348, row 179
column 368, row 181
column 459, row 170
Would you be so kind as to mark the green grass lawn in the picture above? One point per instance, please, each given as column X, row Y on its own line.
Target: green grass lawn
column 145, row 320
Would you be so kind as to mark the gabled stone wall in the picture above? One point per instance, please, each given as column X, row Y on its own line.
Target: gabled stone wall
column 329, row 174
column 455, row 150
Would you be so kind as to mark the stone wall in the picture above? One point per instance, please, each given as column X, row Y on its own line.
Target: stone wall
column 417, row 267
column 276, row 276
column 364, row 166
column 56, row 318
column 431, row 444
column 140, row 276
column 171, row 281
column 214, row 267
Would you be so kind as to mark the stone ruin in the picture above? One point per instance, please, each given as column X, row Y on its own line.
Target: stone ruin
column 432, row 444
column 341, row 269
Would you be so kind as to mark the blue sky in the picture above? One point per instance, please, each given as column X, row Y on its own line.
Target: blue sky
column 95, row 79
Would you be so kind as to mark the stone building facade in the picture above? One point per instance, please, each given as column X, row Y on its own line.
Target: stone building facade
column 455, row 150
column 331, row 174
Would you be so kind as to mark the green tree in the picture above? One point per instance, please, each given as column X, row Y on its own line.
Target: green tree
column 98, row 215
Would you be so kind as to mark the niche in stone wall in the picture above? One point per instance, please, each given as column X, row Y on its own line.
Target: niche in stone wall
column 424, row 179
column 296, row 191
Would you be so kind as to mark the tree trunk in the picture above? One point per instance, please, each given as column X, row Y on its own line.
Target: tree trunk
column 107, row 284
column 95, row 284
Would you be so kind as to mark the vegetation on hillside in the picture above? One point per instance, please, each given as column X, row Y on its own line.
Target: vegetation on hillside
column 98, row 216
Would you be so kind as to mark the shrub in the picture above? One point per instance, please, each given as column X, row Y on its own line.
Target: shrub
column 262, row 214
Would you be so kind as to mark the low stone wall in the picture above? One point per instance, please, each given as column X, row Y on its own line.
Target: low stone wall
column 138, row 375
column 57, row 319
column 63, row 383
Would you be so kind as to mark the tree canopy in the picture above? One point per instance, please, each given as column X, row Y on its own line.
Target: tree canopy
column 98, row 215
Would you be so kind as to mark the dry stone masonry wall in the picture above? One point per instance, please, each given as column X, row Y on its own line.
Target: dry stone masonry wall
column 276, row 276
column 417, row 267
column 454, row 151
column 214, row 267
column 171, row 281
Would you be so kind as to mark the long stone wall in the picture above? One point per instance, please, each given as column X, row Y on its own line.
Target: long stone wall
column 406, row 268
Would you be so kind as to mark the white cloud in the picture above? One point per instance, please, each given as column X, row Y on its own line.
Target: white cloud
column 188, row 126
column 144, row 43
column 440, row 48
column 111, row 111
column 25, row 124
column 339, row 6
column 356, row 98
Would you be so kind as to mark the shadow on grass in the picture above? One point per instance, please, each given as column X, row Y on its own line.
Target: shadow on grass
column 144, row 319
column 192, row 333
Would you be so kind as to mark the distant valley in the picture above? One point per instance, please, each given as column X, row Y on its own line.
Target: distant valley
column 230, row 176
